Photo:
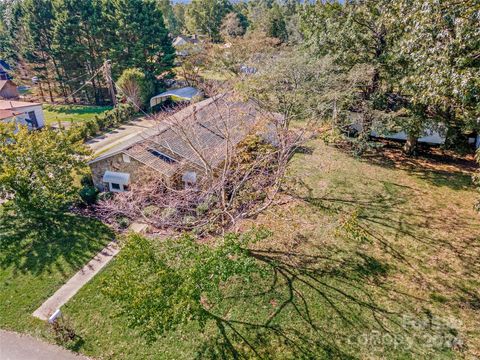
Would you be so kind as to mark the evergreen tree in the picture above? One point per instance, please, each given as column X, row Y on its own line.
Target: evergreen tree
column 169, row 17
column 139, row 38
column 39, row 18
column 206, row 16
column 80, row 44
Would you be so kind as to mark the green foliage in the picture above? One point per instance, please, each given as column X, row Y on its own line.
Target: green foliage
column 138, row 37
column 438, row 48
column 301, row 88
column 276, row 24
column 206, row 16
column 65, row 42
column 160, row 286
column 89, row 194
column 119, row 115
column 136, row 87
column 422, row 55
column 37, row 170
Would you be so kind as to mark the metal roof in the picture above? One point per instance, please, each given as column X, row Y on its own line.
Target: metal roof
column 116, row 177
column 207, row 129
column 185, row 94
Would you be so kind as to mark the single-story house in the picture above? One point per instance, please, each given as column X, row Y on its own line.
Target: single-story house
column 178, row 154
column 24, row 113
column 183, row 40
column 8, row 90
column 182, row 94
column 4, row 69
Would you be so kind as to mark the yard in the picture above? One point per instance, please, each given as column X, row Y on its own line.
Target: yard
column 71, row 113
column 384, row 263
column 36, row 259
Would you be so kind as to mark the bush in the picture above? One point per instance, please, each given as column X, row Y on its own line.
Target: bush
column 89, row 195
column 123, row 222
column 109, row 119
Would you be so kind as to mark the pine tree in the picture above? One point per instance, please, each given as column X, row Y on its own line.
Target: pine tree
column 206, row 16
column 139, row 38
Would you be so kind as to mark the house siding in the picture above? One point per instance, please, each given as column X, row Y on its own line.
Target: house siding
column 136, row 169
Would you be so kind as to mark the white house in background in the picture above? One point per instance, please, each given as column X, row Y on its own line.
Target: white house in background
column 24, row 113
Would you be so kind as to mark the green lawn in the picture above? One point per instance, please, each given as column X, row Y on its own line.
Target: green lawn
column 384, row 263
column 36, row 259
column 71, row 113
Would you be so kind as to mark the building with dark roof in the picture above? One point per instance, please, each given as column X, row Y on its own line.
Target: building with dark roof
column 192, row 142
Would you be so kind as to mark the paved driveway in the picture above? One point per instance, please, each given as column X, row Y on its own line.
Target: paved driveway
column 123, row 133
column 14, row 346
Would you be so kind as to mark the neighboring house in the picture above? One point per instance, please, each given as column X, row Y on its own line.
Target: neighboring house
column 8, row 90
column 182, row 94
column 183, row 40
column 4, row 69
column 24, row 113
column 178, row 156
column 182, row 43
column 428, row 136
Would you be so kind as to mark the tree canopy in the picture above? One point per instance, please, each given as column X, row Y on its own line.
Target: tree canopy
column 37, row 170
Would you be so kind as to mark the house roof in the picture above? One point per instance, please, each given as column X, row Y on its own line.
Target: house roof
column 5, row 82
column 183, row 40
column 208, row 127
column 185, row 93
column 6, row 114
column 11, row 105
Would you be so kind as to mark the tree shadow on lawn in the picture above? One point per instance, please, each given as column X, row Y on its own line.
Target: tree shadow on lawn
column 321, row 307
column 38, row 246
column 438, row 167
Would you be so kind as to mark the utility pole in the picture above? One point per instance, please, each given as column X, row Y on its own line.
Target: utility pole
column 107, row 74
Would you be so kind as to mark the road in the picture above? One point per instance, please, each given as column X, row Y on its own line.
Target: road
column 14, row 346
column 115, row 137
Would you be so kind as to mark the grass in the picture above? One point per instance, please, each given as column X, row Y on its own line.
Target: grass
column 384, row 262
column 71, row 113
column 36, row 259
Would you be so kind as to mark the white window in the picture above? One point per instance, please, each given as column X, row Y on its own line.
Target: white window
column 126, row 158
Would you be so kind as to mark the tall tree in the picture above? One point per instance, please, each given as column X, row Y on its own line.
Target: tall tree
column 139, row 38
column 206, row 16
column 439, row 51
column 39, row 17
column 232, row 26
column 169, row 17
column 79, row 43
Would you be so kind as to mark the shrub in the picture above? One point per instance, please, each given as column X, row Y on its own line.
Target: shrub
column 123, row 222
column 109, row 119
column 89, row 195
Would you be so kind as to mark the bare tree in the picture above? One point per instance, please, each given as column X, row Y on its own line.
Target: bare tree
column 239, row 153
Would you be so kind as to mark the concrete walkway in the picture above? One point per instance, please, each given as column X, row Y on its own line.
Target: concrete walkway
column 71, row 287
column 123, row 133
column 14, row 346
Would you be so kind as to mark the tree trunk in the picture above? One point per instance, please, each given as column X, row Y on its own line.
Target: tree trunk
column 410, row 147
